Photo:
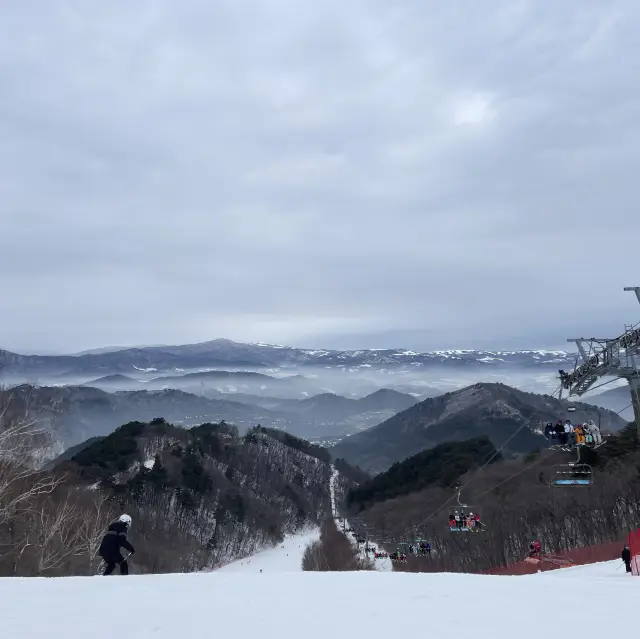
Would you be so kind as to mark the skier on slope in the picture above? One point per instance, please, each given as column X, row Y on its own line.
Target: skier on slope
column 114, row 539
column 626, row 557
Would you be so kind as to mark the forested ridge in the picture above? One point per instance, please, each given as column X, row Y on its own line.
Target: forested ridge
column 198, row 497
column 442, row 465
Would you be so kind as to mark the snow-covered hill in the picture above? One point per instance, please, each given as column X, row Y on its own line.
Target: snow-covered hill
column 316, row 605
column 231, row 355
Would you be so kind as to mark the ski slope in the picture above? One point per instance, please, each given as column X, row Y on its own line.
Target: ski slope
column 313, row 605
column 382, row 565
column 602, row 570
column 286, row 557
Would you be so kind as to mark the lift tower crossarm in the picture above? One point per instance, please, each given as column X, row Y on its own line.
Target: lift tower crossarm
column 579, row 342
column 635, row 289
column 606, row 359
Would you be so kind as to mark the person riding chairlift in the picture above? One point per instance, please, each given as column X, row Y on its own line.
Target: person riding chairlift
column 592, row 428
column 569, row 435
column 549, row 432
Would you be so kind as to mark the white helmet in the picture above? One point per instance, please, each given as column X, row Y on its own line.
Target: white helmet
column 125, row 519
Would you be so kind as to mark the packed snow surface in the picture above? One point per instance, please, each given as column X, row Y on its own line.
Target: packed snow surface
column 312, row 605
column 601, row 570
column 285, row 557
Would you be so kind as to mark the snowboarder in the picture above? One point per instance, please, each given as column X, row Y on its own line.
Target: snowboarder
column 114, row 539
column 626, row 557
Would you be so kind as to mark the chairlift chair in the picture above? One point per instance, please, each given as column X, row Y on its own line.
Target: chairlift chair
column 468, row 508
column 575, row 473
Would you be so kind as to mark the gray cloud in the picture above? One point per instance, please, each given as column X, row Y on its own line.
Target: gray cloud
column 365, row 173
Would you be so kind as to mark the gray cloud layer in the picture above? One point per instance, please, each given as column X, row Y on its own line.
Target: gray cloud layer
column 365, row 173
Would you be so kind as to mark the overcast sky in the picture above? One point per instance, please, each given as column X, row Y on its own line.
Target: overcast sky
column 367, row 173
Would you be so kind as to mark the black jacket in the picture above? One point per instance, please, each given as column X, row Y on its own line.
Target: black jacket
column 114, row 539
column 626, row 556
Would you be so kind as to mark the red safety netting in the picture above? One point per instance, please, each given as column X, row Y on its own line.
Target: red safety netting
column 634, row 547
column 575, row 557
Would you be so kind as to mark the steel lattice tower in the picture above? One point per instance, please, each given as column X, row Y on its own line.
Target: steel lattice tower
column 603, row 357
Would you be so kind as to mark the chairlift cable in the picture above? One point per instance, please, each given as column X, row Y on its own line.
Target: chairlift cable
column 615, row 379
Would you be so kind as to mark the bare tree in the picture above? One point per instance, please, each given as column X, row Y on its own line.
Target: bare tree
column 332, row 552
column 58, row 538
column 51, row 536
column 97, row 515
column 24, row 443
column 21, row 444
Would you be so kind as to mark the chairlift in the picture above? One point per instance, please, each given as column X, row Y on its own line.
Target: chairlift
column 465, row 506
column 571, row 408
column 573, row 474
column 458, row 497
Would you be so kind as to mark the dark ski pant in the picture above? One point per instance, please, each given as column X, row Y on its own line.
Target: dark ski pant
column 111, row 565
column 628, row 565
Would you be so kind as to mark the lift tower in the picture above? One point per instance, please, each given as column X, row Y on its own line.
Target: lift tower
column 618, row 357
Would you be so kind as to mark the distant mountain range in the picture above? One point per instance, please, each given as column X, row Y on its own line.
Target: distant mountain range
column 222, row 353
column 219, row 383
column 77, row 413
column 492, row 410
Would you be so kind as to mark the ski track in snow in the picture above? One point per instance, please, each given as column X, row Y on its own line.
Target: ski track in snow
column 312, row 605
